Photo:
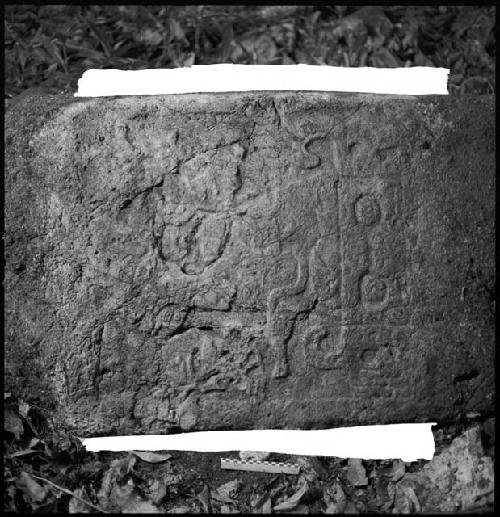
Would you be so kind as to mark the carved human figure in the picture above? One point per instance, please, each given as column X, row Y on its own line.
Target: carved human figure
column 278, row 326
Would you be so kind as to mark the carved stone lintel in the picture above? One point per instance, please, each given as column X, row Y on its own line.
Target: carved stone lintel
column 180, row 253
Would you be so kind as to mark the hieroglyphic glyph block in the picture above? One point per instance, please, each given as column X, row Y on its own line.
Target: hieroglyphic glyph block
column 251, row 260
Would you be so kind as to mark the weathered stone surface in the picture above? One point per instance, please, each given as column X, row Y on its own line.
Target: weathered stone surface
column 461, row 477
column 251, row 260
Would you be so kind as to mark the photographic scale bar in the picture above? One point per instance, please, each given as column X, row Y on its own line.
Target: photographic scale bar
column 270, row 467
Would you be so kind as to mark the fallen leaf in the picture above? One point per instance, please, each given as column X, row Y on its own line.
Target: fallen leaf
column 352, row 30
column 110, row 482
column 421, row 60
column 24, row 452
column 225, row 493
column 335, row 498
column 410, row 38
column 301, row 509
column 311, row 467
column 151, row 457
column 375, row 20
column 405, row 499
column 189, row 60
column 261, row 49
column 463, row 21
column 36, row 441
column 128, row 501
column 356, row 473
column 333, row 508
column 157, row 491
column 228, row 509
column 398, row 470
column 266, row 507
column 151, row 37
column 294, row 500
column 383, row 57
column 77, row 506
column 180, row 509
column 11, row 493
column 176, row 32
column 481, row 28
column 257, row 502
column 33, row 491
column 37, row 421
column 412, row 496
column 23, row 409
column 254, row 455
column 137, row 505
column 204, row 498
column 12, row 423
column 351, row 508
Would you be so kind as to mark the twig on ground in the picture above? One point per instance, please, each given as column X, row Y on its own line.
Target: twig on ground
column 69, row 492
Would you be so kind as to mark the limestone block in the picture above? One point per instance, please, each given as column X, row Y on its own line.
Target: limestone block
column 258, row 260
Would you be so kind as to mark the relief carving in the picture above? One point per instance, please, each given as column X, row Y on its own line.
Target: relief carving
column 368, row 276
column 276, row 336
column 374, row 292
column 367, row 210
column 192, row 227
column 323, row 347
column 309, row 160
column 377, row 284
column 196, row 245
column 200, row 361
column 305, row 132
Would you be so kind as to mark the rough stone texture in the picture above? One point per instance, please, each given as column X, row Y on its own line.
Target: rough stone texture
column 251, row 260
column 459, row 478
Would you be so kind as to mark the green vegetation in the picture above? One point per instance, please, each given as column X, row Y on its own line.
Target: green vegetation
column 52, row 45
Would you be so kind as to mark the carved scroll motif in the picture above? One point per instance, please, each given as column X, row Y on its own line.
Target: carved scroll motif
column 308, row 160
column 278, row 327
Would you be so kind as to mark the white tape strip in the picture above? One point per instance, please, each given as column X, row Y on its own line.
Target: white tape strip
column 243, row 78
column 408, row 442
